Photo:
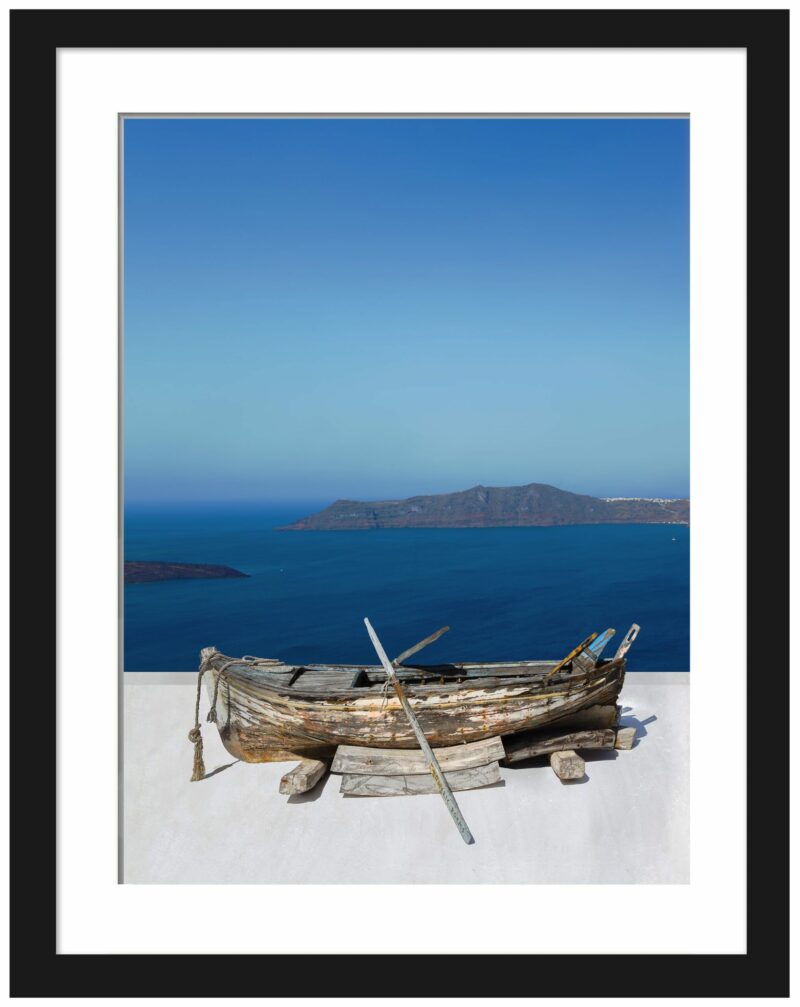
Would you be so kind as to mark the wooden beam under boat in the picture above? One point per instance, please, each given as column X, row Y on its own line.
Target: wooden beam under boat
column 411, row 762
column 407, row 786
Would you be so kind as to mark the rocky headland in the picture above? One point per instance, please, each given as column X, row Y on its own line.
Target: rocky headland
column 495, row 507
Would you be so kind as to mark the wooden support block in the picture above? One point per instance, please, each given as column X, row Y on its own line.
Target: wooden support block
column 568, row 765
column 355, row 760
column 625, row 738
column 397, row 786
column 527, row 746
column 303, row 777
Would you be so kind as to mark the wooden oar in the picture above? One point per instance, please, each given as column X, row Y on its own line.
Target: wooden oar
column 435, row 768
column 601, row 643
column 591, row 655
column 418, row 646
column 572, row 654
column 627, row 641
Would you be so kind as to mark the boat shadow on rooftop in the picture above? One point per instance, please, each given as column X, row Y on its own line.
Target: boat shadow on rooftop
column 220, row 769
column 626, row 720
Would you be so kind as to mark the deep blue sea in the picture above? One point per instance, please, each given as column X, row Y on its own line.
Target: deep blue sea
column 506, row 593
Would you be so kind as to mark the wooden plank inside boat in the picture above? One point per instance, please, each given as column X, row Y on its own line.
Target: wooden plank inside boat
column 358, row 785
column 412, row 762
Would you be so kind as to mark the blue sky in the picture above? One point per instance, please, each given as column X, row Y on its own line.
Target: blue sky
column 317, row 309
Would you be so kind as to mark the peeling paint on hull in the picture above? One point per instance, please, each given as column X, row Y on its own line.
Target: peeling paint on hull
column 264, row 715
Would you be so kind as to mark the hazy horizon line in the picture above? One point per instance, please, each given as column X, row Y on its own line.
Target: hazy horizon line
column 328, row 499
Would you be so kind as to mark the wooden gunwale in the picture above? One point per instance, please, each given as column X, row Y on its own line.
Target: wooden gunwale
column 256, row 685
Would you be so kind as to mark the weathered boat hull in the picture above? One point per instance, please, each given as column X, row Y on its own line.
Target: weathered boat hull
column 262, row 718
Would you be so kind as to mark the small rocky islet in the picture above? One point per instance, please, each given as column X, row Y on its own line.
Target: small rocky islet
column 148, row 571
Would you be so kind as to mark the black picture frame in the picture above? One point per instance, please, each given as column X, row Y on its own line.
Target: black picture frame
column 36, row 969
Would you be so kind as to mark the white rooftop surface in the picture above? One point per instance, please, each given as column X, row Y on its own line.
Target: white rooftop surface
column 627, row 821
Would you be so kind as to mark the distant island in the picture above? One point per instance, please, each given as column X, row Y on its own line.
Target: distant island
column 145, row 571
column 535, row 505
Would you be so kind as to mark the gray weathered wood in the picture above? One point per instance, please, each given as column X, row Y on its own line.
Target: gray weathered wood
column 436, row 771
column 303, row 777
column 411, row 761
column 398, row 786
column 568, row 765
column 625, row 738
column 260, row 720
column 527, row 747
column 572, row 654
column 627, row 642
column 418, row 646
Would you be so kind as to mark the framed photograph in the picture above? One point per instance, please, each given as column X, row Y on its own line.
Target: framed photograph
column 407, row 364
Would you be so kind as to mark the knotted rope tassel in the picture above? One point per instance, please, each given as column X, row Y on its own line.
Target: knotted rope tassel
column 199, row 768
column 195, row 736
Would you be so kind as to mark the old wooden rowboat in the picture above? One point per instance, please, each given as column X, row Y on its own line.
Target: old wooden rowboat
column 268, row 711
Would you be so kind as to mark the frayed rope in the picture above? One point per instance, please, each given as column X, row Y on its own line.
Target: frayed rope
column 199, row 768
column 195, row 735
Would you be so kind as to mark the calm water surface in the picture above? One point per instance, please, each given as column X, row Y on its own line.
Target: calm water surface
column 506, row 593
